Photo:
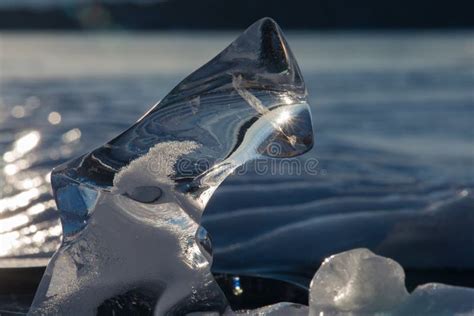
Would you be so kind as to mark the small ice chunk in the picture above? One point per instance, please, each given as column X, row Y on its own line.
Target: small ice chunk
column 357, row 281
column 360, row 283
column 438, row 299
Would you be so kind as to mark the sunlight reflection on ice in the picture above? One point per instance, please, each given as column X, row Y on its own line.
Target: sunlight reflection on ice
column 30, row 240
column 22, row 198
column 54, row 118
column 13, row 222
column 72, row 135
column 23, row 145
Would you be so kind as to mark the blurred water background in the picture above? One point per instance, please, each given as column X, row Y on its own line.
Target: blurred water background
column 393, row 115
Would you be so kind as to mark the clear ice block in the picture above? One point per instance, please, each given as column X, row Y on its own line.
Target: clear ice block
column 131, row 209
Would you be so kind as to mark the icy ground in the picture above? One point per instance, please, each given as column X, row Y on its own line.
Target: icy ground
column 360, row 283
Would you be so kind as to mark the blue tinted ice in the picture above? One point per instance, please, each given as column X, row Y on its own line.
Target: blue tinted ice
column 131, row 209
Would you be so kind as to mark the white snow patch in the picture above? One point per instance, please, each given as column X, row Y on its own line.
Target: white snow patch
column 155, row 167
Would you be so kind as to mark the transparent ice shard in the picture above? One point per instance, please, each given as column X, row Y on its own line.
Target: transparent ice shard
column 131, row 209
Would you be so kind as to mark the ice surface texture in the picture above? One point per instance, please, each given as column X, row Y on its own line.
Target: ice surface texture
column 131, row 209
column 359, row 283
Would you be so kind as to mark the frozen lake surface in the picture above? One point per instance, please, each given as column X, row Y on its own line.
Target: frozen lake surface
column 392, row 169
